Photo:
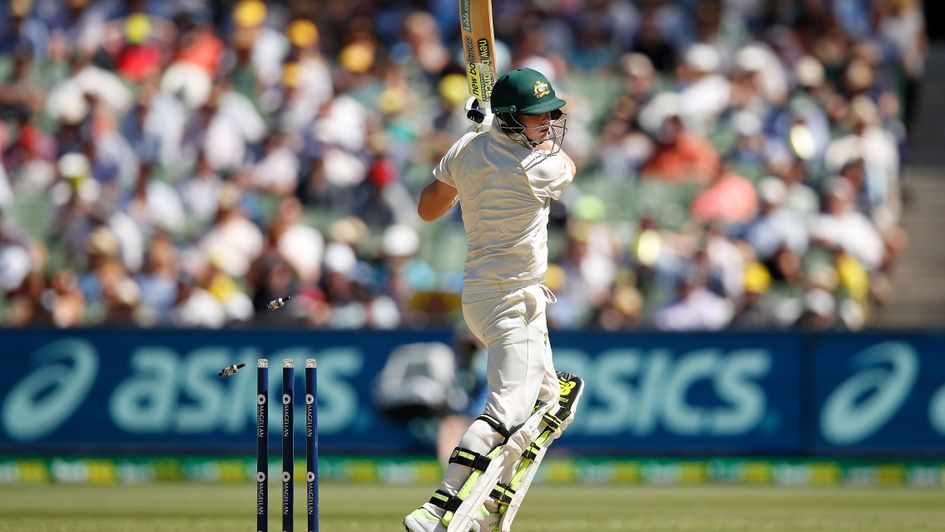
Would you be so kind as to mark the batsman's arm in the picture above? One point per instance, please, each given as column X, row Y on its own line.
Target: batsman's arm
column 568, row 162
column 435, row 200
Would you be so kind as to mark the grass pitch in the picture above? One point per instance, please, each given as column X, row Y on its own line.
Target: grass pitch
column 345, row 507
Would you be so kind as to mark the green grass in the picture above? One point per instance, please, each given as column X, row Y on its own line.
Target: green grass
column 345, row 507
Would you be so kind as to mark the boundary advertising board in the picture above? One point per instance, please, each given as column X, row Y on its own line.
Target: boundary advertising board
column 108, row 391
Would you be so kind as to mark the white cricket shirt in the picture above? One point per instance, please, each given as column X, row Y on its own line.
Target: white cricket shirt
column 505, row 190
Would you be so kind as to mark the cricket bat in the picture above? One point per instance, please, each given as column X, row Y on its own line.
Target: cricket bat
column 475, row 20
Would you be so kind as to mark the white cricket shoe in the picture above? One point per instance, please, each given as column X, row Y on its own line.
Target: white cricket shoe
column 425, row 519
column 428, row 518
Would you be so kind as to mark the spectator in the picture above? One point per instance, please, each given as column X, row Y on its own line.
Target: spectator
column 820, row 311
column 233, row 241
column 878, row 150
column 694, row 308
column 155, row 205
column 158, row 282
column 384, row 200
column 728, row 198
column 902, row 27
column 753, row 310
column 703, row 91
column 299, row 245
column 652, row 44
column 16, row 262
column 799, row 197
column 842, row 226
column 199, row 193
column 776, row 226
column 680, row 155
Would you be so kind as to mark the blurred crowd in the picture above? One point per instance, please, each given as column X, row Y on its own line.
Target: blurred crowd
column 183, row 162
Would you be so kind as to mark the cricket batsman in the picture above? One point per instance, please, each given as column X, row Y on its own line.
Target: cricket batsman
column 504, row 177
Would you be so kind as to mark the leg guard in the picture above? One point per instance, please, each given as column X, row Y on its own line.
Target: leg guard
column 462, row 509
column 510, row 496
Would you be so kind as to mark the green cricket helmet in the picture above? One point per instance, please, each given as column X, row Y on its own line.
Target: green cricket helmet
column 524, row 91
column 528, row 92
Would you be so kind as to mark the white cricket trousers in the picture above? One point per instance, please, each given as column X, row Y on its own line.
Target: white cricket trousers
column 514, row 328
